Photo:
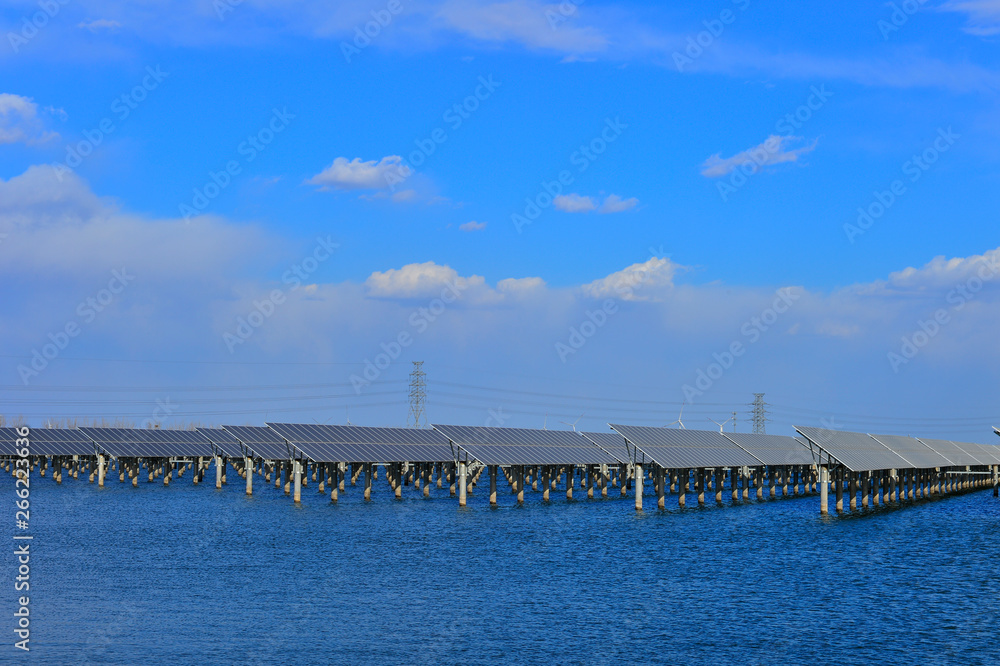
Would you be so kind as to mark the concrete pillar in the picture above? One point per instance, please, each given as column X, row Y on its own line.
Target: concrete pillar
column 745, row 483
column 248, row 462
column 719, row 480
column 297, row 496
column 771, row 492
column 682, row 486
column 734, row 486
column 784, row 480
column 218, row 472
column 852, row 488
column 570, row 473
column 605, row 479
column 397, row 480
column 839, row 488
column 493, row 485
column 661, row 486
column 638, row 486
column 427, row 479
column 100, row 470
column 462, row 483
column 623, row 480
column 335, row 482
column 701, row 486
column 368, row 481
column 588, row 471
column 759, row 482
column 520, row 484
column 824, row 484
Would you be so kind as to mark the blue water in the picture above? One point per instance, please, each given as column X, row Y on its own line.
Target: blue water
column 190, row 574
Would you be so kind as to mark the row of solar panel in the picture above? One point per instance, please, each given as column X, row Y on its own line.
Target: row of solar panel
column 511, row 446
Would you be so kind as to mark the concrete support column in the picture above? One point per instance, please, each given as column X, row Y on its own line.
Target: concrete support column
column 638, row 486
column 570, row 472
column 588, row 471
column 745, row 483
column 520, row 484
column 368, row 481
column 248, row 462
column 100, row 470
column 493, row 485
column 297, row 496
column 462, row 483
column 701, row 486
column 759, row 477
column 683, row 476
column 734, row 485
column 661, row 485
column 546, row 482
column 839, row 481
column 719, row 477
column 218, row 472
column 427, row 480
column 605, row 479
column 623, row 480
column 335, row 482
column 771, row 491
column 824, row 484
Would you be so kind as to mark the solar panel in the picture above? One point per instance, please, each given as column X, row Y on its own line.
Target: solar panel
column 855, row 450
column 611, row 442
column 948, row 449
column 913, row 451
column 690, row 449
column 973, row 451
column 990, row 453
column 337, row 443
column 149, row 443
column 263, row 442
column 772, row 449
column 48, row 442
column 523, row 446
column 224, row 441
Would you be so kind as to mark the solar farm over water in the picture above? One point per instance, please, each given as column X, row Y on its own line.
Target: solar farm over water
column 500, row 331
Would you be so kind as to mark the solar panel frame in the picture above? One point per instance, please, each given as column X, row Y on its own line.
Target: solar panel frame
column 225, row 442
column 366, row 444
column 8, row 442
column 971, row 450
column 947, row 448
column 772, row 449
column 611, row 442
column 914, row 451
column 686, row 449
column 858, row 452
column 525, row 446
column 990, row 453
column 150, row 442
column 48, row 442
column 262, row 442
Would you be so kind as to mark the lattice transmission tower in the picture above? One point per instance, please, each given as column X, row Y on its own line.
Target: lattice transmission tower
column 758, row 413
column 418, row 394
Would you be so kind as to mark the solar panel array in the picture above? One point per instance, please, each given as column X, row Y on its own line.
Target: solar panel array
column 263, row 442
column 227, row 443
column 950, row 450
column 772, row 449
column 857, row 451
column 992, row 450
column 48, row 442
column 686, row 449
column 523, row 446
column 336, row 443
column 914, row 451
column 149, row 443
column 611, row 442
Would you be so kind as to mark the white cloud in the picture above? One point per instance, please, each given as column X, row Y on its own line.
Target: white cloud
column 615, row 204
column 19, row 121
column 99, row 24
column 774, row 150
column 418, row 281
column 472, row 226
column 574, row 203
column 638, row 282
column 983, row 16
column 355, row 174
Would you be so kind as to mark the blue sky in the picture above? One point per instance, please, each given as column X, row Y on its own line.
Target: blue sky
column 700, row 182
